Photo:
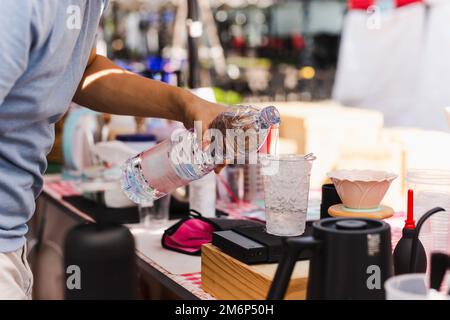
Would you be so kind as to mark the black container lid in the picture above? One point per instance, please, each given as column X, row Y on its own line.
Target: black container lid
column 351, row 225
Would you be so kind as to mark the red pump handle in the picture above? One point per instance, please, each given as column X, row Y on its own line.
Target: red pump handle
column 409, row 222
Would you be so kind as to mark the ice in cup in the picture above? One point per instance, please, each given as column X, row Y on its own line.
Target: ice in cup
column 286, row 189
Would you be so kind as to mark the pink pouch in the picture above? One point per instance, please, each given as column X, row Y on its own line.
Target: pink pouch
column 189, row 234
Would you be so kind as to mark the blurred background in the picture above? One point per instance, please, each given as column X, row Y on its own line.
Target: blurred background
column 361, row 83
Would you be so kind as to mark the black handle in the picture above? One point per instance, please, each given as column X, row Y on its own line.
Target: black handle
column 292, row 249
column 440, row 262
column 412, row 261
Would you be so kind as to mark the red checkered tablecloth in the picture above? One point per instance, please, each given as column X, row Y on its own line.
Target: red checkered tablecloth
column 63, row 188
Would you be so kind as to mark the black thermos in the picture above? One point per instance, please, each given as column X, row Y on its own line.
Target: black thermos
column 103, row 259
column 351, row 259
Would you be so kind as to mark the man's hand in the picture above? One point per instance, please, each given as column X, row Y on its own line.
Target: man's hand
column 202, row 112
column 199, row 110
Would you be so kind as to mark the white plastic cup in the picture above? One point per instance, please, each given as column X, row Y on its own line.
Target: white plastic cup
column 202, row 195
column 411, row 287
column 406, row 287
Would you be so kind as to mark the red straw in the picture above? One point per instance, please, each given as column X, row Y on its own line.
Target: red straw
column 231, row 194
column 410, row 223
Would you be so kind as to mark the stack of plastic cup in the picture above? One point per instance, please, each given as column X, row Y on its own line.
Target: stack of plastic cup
column 432, row 189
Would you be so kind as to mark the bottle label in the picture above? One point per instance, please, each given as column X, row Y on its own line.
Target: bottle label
column 158, row 169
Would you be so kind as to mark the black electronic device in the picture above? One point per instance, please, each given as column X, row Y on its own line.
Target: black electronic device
column 252, row 244
column 240, row 247
column 272, row 243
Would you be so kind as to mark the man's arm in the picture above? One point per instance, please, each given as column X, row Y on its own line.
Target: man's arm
column 108, row 88
column 15, row 43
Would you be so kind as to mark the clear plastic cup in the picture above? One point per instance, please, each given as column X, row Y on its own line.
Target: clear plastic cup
column 286, row 190
column 411, row 287
column 155, row 214
column 432, row 189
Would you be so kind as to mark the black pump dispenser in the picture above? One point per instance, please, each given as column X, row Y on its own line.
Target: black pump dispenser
column 409, row 254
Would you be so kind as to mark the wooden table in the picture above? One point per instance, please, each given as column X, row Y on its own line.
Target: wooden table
column 163, row 274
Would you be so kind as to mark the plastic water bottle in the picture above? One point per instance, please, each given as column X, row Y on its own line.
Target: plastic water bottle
column 179, row 160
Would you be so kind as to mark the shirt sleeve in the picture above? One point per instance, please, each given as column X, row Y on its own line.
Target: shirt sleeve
column 105, row 5
column 15, row 42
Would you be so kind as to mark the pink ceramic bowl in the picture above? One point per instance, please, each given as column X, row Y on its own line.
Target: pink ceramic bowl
column 361, row 189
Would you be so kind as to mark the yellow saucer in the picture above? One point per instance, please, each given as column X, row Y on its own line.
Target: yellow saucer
column 339, row 210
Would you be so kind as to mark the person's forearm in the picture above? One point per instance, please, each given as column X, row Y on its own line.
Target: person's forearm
column 108, row 88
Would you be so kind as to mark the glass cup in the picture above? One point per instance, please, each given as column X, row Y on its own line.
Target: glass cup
column 155, row 215
column 286, row 190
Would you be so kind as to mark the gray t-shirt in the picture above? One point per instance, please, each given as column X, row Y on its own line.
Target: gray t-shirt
column 44, row 49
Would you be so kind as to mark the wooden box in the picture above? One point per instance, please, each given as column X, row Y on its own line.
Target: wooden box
column 226, row 278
